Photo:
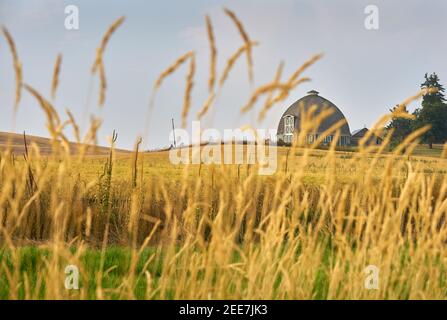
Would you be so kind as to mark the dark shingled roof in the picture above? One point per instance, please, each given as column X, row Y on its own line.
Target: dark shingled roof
column 362, row 131
column 306, row 103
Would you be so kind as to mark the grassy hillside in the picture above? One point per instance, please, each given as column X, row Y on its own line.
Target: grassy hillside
column 16, row 142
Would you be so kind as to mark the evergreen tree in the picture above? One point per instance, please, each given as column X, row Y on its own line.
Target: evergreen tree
column 433, row 111
column 432, row 82
column 401, row 127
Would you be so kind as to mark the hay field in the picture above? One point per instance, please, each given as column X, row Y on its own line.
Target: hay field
column 306, row 232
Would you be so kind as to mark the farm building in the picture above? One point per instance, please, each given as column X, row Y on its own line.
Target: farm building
column 291, row 121
column 360, row 133
column 293, row 118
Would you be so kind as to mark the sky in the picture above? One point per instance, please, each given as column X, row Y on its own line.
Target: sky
column 364, row 72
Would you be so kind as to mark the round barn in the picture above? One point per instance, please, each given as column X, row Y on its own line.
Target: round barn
column 291, row 121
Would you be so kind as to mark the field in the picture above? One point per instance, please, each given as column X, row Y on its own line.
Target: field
column 368, row 223
column 306, row 232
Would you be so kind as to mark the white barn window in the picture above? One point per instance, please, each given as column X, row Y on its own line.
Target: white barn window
column 328, row 139
column 288, row 125
column 289, row 128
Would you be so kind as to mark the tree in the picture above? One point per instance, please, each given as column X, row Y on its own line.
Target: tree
column 433, row 111
column 432, row 82
column 401, row 126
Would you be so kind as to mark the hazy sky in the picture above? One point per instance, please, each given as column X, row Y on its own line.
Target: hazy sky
column 364, row 72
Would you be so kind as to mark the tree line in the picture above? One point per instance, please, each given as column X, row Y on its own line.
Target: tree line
column 432, row 112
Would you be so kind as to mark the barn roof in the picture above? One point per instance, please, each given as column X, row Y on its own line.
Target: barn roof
column 355, row 132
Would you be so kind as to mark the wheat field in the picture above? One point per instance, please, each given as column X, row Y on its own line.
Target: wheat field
column 139, row 227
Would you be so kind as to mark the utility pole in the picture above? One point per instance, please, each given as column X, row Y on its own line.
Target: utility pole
column 173, row 130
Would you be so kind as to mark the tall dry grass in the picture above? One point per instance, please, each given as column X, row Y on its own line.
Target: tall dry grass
column 98, row 65
column 17, row 65
column 213, row 53
column 244, row 35
column 56, row 72
column 223, row 232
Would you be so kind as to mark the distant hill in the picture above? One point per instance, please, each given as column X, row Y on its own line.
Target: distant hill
column 18, row 146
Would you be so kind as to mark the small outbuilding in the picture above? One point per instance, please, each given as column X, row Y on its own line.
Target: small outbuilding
column 357, row 135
